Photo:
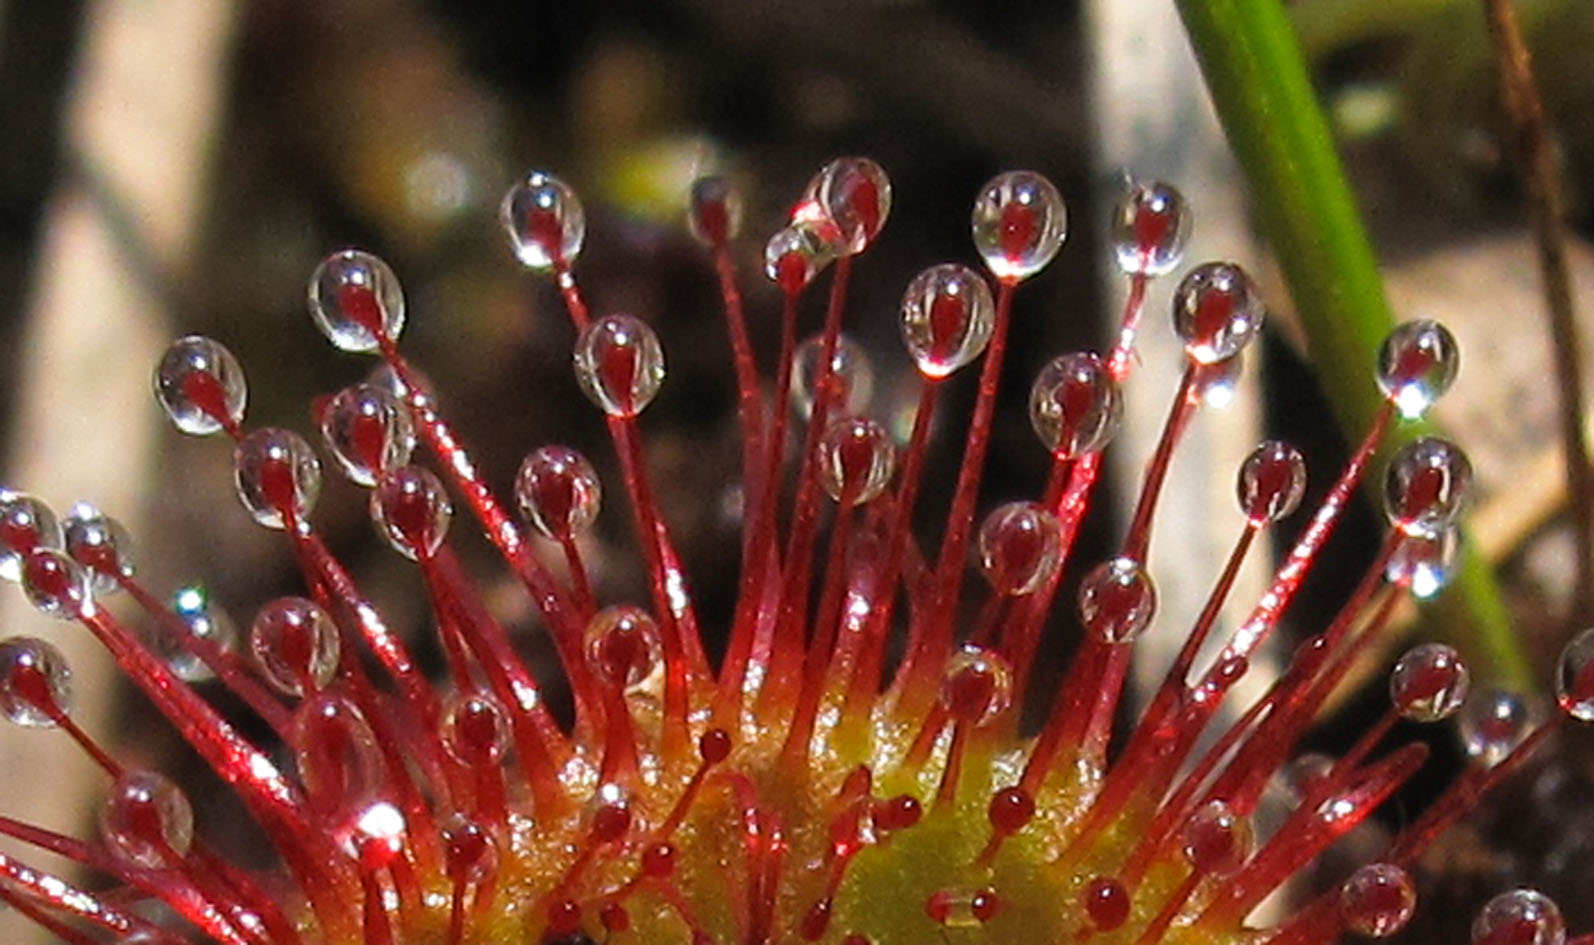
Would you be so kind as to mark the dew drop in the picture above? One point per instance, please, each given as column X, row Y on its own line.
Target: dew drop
column 962, row 908
column 1416, row 365
column 619, row 364
column 35, row 682
column 1117, row 600
column 196, row 617
column 475, row 729
column 356, row 301
column 1215, row 384
column 658, row 860
column 368, row 430
column 795, row 255
column 851, row 376
column 1150, row 226
column 147, row 821
column 277, row 477
column 854, row 195
column 470, row 852
column 1424, row 564
column 1426, row 486
column 544, row 221
column 1217, row 839
column 1429, row 683
column 1378, row 900
column 1574, row 677
column 100, row 544
column 411, row 510
column 1075, row 406
column 295, row 645
column 27, row 525
column 623, row 645
column 715, row 211
column 558, row 491
column 336, row 752
column 1216, row 311
column 1019, row 223
column 56, row 585
column 1493, row 724
column 947, row 318
column 977, row 686
column 1021, row 547
column 856, row 458
column 1272, row 481
column 1519, row 917
column 201, row 386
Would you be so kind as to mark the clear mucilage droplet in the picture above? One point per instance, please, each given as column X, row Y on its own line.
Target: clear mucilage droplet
column 1019, row 223
column 56, row 585
column 475, row 729
column 196, row 616
column 100, row 544
column 1217, row 839
column 1117, row 600
column 356, row 301
column 1574, row 677
column 715, row 211
column 1426, row 486
column 1075, row 406
column 1021, row 547
column 146, row 820
column 27, row 525
column 1271, row 483
column 623, row 645
column 977, row 686
column 1416, row 365
column 1424, row 564
column 559, row 492
column 277, row 477
column 854, row 196
column 368, row 430
column 851, row 377
column 339, row 761
column 856, row 458
column 1378, row 900
column 411, row 510
column 1216, row 311
column 201, row 386
column 35, row 682
column 295, row 645
column 1520, row 917
column 795, row 255
column 947, row 318
column 1149, row 229
column 1429, row 683
column 544, row 221
column 619, row 364
column 1493, row 723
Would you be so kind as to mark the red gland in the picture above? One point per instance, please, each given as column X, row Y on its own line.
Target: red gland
column 1107, row 903
column 610, row 822
column 658, row 860
column 714, row 746
column 1011, row 808
column 615, row 918
column 564, row 917
column 897, row 813
column 986, row 905
column 815, row 921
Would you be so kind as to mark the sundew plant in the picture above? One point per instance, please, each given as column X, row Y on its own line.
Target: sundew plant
column 853, row 769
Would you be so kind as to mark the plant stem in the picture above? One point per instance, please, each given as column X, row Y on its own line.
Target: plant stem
column 1259, row 84
column 1534, row 153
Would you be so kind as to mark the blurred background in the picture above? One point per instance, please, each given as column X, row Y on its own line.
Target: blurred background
column 177, row 166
